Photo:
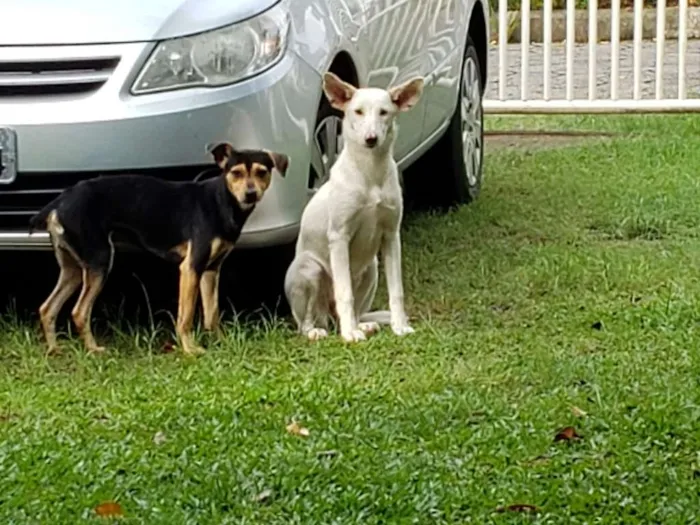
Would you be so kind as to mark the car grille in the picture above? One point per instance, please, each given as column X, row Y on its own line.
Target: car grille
column 31, row 191
column 54, row 77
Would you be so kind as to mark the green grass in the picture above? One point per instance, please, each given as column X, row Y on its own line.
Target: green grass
column 572, row 282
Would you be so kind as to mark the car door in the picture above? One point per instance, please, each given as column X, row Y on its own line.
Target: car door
column 445, row 34
column 394, row 39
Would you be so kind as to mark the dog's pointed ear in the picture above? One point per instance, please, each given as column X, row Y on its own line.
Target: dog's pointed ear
column 281, row 162
column 221, row 153
column 337, row 92
column 407, row 95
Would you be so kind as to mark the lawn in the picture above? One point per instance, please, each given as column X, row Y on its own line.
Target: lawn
column 567, row 295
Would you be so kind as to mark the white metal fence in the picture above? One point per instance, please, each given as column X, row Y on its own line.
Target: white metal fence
column 660, row 100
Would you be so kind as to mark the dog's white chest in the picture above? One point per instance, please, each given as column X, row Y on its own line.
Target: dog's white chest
column 377, row 217
column 384, row 206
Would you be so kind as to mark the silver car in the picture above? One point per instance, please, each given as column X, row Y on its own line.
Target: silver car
column 92, row 87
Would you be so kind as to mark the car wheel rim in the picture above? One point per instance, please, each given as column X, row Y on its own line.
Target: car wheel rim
column 327, row 144
column 472, row 122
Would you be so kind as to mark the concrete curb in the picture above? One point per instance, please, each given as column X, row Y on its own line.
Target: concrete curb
column 604, row 19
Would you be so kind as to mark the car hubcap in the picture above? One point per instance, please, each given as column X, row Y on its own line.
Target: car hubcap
column 328, row 142
column 471, row 111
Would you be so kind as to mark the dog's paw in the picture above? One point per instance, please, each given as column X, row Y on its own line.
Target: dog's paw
column 193, row 350
column 354, row 336
column 96, row 350
column 402, row 329
column 54, row 351
column 316, row 333
column 369, row 328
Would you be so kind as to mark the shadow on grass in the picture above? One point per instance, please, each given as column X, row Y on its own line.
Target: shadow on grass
column 142, row 290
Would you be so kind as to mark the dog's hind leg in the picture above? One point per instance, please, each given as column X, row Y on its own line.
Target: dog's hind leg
column 364, row 291
column 69, row 279
column 302, row 286
column 95, row 273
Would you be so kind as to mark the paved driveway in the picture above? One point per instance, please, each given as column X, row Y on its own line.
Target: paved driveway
column 558, row 70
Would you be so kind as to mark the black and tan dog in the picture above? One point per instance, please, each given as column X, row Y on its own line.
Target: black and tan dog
column 192, row 223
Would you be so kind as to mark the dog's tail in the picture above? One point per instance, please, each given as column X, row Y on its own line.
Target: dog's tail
column 38, row 221
column 378, row 316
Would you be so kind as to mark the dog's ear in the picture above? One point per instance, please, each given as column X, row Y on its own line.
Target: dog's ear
column 280, row 161
column 337, row 92
column 221, row 153
column 407, row 95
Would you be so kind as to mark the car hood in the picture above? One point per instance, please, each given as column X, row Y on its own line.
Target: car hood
column 42, row 22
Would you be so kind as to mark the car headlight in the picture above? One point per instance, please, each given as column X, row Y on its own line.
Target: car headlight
column 219, row 57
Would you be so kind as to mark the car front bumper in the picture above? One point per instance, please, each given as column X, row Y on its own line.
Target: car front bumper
column 63, row 139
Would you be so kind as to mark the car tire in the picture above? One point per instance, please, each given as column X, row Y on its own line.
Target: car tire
column 450, row 172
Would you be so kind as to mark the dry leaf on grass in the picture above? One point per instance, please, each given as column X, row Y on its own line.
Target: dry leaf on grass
column 295, row 429
column 159, row 438
column 578, row 412
column 109, row 509
column 567, row 434
column 519, row 507
column 263, row 496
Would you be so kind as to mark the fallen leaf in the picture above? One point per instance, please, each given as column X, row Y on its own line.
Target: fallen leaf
column 519, row 507
column 109, row 509
column 297, row 430
column 263, row 496
column 566, row 434
column 578, row 412
column 7, row 416
column 168, row 347
column 159, row 438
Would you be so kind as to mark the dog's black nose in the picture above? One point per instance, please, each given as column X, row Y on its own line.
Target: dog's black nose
column 371, row 141
column 251, row 196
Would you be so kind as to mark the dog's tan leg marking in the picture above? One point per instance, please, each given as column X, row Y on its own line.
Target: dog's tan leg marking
column 189, row 289
column 69, row 279
column 93, row 280
column 181, row 249
column 209, row 287
column 209, row 283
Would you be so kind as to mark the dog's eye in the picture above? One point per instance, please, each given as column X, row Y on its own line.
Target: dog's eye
column 358, row 111
column 237, row 174
column 383, row 112
column 261, row 172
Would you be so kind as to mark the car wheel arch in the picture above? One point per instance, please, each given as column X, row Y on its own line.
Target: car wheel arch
column 329, row 118
column 478, row 31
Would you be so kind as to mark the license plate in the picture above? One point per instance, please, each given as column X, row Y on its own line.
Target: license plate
column 8, row 155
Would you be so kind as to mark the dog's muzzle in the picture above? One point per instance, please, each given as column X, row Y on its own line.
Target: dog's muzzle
column 251, row 196
column 371, row 141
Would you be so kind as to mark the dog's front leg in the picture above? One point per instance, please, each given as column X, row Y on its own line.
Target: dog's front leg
column 391, row 255
column 209, row 289
column 342, row 289
column 189, row 291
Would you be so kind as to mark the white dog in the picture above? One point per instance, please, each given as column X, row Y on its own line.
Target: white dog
column 351, row 218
